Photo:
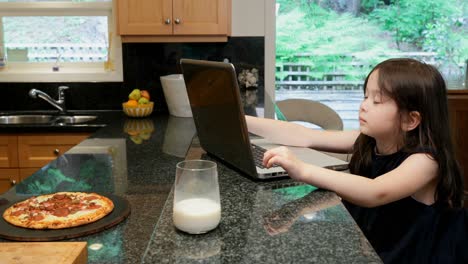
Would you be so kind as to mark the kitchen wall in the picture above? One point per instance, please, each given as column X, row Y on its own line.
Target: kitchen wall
column 144, row 63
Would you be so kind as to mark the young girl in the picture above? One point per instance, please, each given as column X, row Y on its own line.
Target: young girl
column 404, row 188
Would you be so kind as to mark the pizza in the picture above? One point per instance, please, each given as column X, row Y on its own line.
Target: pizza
column 58, row 210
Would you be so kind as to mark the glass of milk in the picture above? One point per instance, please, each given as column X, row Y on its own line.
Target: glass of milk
column 197, row 208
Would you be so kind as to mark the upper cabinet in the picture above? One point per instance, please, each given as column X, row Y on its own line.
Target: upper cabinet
column 174, row 20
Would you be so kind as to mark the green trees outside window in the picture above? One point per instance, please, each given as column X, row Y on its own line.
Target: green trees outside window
column 341, row 40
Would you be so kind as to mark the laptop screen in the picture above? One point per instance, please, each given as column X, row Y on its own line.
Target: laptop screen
column 217, row 112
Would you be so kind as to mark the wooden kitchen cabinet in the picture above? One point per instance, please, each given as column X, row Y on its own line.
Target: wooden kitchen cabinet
column 174, row 20
column 9, row 173
column 8, row 151
column 8, row 178
column 38, row 150
column 458, row 112
column 23, row 154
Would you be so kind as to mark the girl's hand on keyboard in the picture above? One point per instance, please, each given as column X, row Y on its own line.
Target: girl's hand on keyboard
column 283, row 157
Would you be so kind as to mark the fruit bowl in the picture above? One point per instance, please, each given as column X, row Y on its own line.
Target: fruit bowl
column 140, row 110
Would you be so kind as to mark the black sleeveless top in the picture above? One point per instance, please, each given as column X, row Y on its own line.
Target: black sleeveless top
column 407, row 231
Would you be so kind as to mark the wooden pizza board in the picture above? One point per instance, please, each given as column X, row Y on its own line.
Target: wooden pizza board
column 43, row 252
column 11, row 232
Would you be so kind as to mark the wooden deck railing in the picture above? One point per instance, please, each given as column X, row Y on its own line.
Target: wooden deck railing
column 342, row 75
column 67, row 52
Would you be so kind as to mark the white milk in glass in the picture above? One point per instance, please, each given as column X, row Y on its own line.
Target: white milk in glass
column 196, row 215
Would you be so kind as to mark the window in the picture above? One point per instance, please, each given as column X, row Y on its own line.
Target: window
column 59, row 41
column 325, row 49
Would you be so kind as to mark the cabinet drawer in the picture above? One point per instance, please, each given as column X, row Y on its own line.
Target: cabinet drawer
column 8, row 178
column 8, row 151
column 37, row 151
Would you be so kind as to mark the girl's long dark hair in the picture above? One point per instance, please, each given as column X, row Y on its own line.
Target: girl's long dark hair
column 416, row 86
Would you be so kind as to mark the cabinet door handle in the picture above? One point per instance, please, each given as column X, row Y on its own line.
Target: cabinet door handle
column 13, row 182
column 167, row 21
column 177, row 21
column 56, row 151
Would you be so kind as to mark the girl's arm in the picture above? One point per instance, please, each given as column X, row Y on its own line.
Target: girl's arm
column 291, row 134
column 413, row 175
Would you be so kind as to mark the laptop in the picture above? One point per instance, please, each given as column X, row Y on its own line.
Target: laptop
column 218, row 114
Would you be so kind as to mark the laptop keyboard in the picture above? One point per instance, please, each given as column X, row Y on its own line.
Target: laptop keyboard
column 258, row 152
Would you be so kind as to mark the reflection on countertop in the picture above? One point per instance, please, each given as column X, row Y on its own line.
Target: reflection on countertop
column 115, row 151
column 139, row 130
column 178, row 135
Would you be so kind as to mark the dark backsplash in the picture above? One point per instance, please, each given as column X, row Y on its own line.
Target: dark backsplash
column 143, row 64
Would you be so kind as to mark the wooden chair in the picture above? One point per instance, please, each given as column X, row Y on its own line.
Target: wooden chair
column 312, row 112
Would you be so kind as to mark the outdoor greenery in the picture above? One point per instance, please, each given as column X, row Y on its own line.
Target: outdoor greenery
column 330, row 34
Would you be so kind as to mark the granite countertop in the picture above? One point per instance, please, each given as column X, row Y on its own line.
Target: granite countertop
column 276, row 221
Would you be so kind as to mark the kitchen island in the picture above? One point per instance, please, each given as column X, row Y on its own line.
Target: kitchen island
column 277, row 221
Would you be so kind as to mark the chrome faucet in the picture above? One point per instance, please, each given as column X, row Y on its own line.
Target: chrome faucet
column 59, row 104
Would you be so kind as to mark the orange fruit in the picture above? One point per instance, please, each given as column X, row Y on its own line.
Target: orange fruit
column 131, row 102
column 145, row 94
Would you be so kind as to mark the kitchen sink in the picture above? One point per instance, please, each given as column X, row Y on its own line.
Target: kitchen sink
column 45, row 119
column 75, row 119
column 26, row 119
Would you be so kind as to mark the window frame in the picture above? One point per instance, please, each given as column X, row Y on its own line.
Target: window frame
column 69, row 71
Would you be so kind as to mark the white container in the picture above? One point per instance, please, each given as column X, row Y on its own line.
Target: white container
column 176, row 95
